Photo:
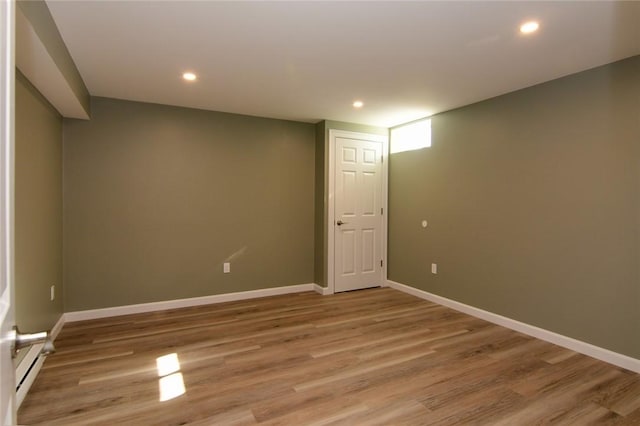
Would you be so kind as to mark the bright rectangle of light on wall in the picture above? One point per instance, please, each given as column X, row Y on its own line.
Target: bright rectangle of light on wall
column 412, row 136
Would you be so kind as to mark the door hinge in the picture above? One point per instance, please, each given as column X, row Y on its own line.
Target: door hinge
column 381, row 263
column 381, row 210
column 382, row 158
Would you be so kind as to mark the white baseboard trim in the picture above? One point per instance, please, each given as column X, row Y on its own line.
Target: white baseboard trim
column 29, row 367
column 321, row 290
column 56, row 328
column 26, row 362
column 184, row 303
column 33, row 363
column 593, row 351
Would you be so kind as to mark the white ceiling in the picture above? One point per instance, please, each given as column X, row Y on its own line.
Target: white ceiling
column 309, row 61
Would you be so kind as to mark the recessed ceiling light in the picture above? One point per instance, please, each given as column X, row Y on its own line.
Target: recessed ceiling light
column 529, row 27
column 358, row 104
column 189, row 76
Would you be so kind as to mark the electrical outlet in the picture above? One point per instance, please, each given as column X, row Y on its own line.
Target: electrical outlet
column 226, row 267
column 434, row 268
column 53, row 292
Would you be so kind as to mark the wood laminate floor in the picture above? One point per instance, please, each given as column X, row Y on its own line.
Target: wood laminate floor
column 361, row 358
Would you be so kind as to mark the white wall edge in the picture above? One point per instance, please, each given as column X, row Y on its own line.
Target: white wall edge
column 321, row 290
column 184, row 303
column 597, row 352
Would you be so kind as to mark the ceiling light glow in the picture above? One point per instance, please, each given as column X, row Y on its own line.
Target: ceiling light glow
column 189, row 76
column 358, row 104
column 529, row 27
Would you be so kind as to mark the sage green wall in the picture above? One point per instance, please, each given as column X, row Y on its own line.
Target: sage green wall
column 38, row 209
column 156, row 198
column 322, row 183
column 533, row 204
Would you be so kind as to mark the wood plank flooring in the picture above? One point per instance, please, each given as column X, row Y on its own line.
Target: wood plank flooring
column 372, row 357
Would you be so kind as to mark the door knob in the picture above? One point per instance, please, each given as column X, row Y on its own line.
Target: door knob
column 22, row 340
column 341, row 223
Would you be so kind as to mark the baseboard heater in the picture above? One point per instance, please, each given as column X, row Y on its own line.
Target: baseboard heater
column 27, row 369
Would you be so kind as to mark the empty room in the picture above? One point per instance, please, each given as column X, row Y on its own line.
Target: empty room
column 313, row 213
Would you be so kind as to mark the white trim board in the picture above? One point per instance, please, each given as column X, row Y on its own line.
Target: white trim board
column 57, row 327
column 32, row 363
column 184, row 303
column 593, row 351
column 37, row 362
column 321, row 290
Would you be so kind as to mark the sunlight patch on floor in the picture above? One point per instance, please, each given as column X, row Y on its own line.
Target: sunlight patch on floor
column 171, row 383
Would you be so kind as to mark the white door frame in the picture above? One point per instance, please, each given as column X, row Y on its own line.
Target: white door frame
column 331, row 151
column 7, row 126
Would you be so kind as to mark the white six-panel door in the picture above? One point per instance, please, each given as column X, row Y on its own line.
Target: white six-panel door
column 358, row 218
